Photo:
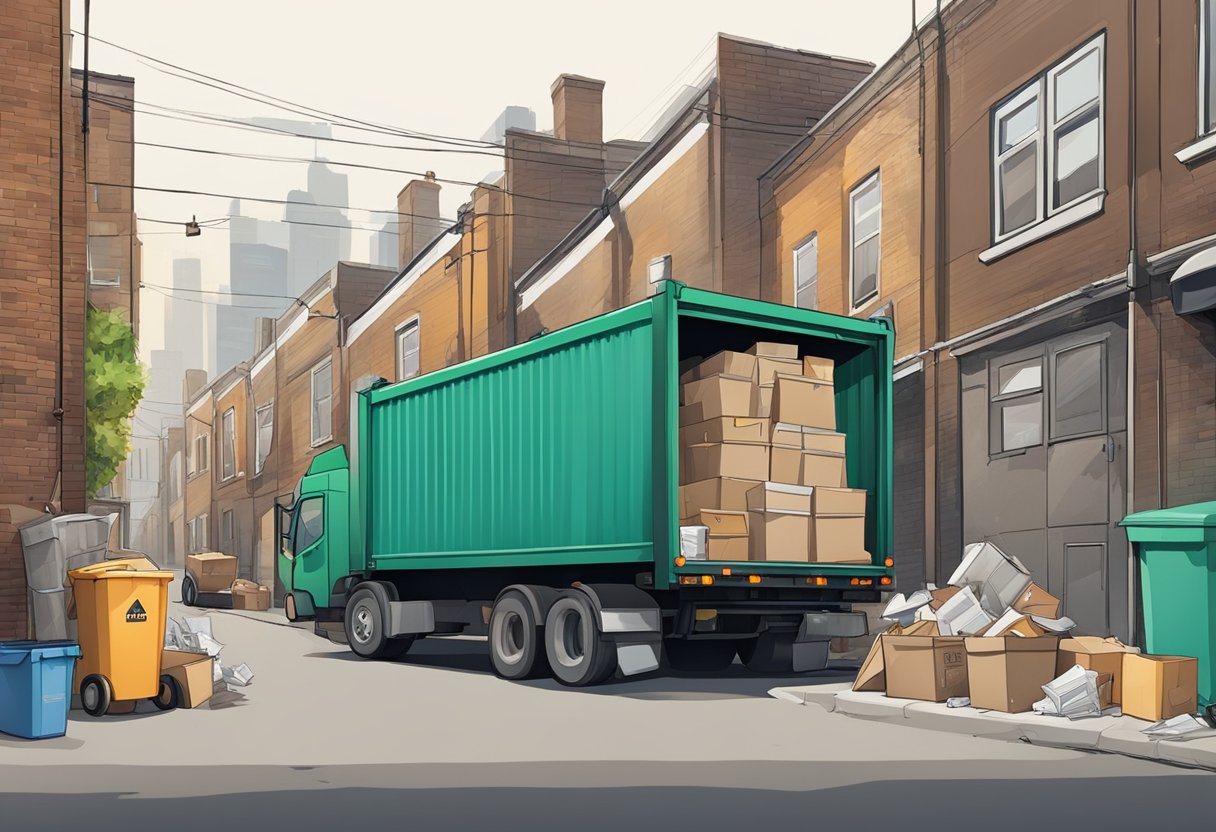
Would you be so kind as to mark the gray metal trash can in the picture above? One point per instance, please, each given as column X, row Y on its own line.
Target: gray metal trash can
column 51, row 546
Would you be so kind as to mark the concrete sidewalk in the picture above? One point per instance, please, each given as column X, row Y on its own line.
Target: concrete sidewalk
column 1115, row 735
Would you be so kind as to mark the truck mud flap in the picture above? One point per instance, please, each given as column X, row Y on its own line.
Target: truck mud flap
column 632, row 620
column 410, row 618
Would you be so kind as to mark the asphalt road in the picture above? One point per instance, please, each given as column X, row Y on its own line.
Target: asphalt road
column 322, row 740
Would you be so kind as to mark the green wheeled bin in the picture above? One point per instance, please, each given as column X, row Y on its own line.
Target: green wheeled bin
column 1177, row 552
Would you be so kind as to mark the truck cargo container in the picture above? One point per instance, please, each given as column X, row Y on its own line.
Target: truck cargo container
column 530, row 495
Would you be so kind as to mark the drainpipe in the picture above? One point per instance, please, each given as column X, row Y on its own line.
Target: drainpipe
column 1132, row 268
column 940, row 296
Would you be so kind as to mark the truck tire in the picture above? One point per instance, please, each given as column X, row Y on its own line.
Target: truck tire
column 517, row 649
column 365, row 631
column 700, row 654
column 578, row 654
column 189, row 591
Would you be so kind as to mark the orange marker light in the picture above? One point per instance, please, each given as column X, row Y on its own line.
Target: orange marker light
column 753, row 579
column 885, row 580
column 707, row 580
column 680, row 561
column 855, row 581
column 889, row 562
column 689, row 580
column 726, row 572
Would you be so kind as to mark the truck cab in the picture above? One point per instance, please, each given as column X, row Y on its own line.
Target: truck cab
column 314, row 541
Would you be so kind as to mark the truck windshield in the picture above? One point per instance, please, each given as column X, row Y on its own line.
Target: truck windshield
column 310, row 526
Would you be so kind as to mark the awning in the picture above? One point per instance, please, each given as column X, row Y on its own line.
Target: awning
column 1193, row 286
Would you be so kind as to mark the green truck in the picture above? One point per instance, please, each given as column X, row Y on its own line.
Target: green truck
column 530, row 496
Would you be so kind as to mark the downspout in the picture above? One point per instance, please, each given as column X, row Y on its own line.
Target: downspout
column 941, row 325
column 58, row 489
column 1132, row 269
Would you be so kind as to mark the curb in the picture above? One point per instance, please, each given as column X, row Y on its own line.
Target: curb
column 1107, row 734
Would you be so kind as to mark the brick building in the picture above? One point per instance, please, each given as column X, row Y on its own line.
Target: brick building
column 1016, row 187
column 42, row 284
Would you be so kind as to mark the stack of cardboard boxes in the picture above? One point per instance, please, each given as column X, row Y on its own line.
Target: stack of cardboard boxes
column 997, row 638
column 762, row 465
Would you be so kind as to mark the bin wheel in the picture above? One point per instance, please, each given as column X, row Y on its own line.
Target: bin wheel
column 189, row 591
column 96, row 694
column 170, row 694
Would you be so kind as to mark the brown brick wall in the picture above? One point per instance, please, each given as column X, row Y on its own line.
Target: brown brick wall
column 30, row 152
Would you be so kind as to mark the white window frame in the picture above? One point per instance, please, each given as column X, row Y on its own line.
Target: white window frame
column 855, row 304
column 196, row 532
column 260, row 453
column 1043, row 87
column 329, row 397
column 812, row 240
column 403, row 329
column 228, row 445
column 200, row 454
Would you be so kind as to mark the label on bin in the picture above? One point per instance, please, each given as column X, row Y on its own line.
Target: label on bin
column 136, row 613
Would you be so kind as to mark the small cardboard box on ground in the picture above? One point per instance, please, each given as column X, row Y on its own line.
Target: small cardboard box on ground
column 924, row 666
column 1102, row 655
column 193, row 673
column 873, row 673
column 212, row 571
column 1159, row 687
column 1007, row 673
column 247, row 595
column 838, row 526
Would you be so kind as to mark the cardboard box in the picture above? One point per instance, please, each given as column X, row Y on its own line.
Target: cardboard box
column 1159, row 687
column 826, row 441
column 192, row 672
column 764, row 403
column 804, row 401
column 823, row 469
column 1035, row 600
column 728, row 547
column 1007, row 673
column 779, row 535
column 785, row 465
column 722, row 363
column 730, row 460
column 838, row 540
column 777, row 496
column 722, row 492
column 926, row 667
column 786, row 435
column 247, row 595
column 821, row 368
column 717, row 396
column 940, row 596
column 840, row 501
column 212, row 571
column 1101, row 655
column 726, row 429
column 773, row 349
column 767, row 369
column 872, row 675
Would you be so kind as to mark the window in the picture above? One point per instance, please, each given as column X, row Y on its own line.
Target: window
column 264, row 435
column 865, row 233
column 806, row 274
column 228, row 449
column 196, row 533
column 200, row 454
column 322, row 402
column 228, row 530
column 103, row 254
column 1207, row 67
column 1078, row 397
column 407, row 350
column 1047, row 142
column 175, row 477
column 311, row 524
column 1016, row 415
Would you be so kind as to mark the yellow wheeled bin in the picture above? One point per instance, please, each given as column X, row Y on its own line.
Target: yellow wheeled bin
column 121, row 606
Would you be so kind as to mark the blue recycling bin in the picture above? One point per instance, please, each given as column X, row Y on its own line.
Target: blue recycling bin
column 36, row 687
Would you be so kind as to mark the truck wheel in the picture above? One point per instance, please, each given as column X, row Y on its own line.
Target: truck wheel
column 517, row 650
column 189, row 591
column 577, row 653
column 365, row 630
column 700, row 654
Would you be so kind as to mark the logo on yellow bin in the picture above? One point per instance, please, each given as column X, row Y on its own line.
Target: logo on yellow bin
column 136, row 612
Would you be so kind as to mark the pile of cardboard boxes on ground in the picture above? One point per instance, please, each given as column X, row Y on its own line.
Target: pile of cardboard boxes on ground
column 762, row 466
column 994, row 639
column 216, row 572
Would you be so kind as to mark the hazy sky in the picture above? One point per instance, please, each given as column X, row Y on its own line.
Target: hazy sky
column 437, row 67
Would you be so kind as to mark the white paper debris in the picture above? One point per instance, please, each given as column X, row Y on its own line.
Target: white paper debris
column 1055, row 625
column 240, row 675
column 694, row 541
column 958, row 702
column 962, row 615
column 198, row 624
column 1185, row 725
column 1073, row 694
column 996, row 578
column 902, row 609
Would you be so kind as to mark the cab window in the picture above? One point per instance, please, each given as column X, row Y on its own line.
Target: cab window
column 311, row 524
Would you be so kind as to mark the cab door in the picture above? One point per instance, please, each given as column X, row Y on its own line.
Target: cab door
column 306, row 551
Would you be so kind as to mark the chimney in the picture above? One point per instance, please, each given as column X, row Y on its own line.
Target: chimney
column 578, row 109
column 263, row 334
column 418, row 217
column 195, row 381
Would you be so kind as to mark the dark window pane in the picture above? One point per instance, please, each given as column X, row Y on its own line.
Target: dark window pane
column 1077, row 405
column 1019, row 184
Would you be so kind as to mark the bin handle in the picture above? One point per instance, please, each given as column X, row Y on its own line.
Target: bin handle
column 10, row 658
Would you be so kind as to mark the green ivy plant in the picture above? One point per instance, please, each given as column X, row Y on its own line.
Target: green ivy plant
column 114, row 384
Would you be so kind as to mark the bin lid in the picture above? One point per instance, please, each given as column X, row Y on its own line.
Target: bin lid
column 119, row 568
column 1187, row 522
